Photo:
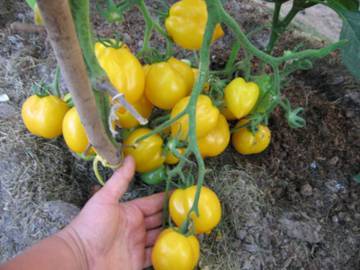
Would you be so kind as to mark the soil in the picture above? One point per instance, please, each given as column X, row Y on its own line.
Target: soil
column 296, row 206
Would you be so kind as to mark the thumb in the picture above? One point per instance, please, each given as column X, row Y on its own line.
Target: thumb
column 117, row 185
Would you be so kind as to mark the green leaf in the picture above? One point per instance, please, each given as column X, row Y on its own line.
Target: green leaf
column 352, row 5
column 31, row 3
column 351, row 51
column 351, row 32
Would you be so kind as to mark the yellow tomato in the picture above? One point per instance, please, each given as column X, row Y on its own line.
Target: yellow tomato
column 216, row 141
column 168, row 82
column 228, row 114
column 123, row 70
column 147, row 153
column 181, row 201
column 186, row 24
column 241, row 97
column 206, row 117
column 172, row 159
column 74, row 132
column 125, row 118
column 174, row 251
column 43, row 116
column 245, row 142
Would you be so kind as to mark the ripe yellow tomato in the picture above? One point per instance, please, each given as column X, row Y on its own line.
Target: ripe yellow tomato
column 168, row 82
column 206, row 117
column 125, row 118
column 123, row 70
column 148, row 153
column 74, row 132
column 241, row 97
column 172, row 250
column 246, row 143
column 186, row 24
column 216, row 141
column 181, row 201
column 228, row 114
column 43, row 116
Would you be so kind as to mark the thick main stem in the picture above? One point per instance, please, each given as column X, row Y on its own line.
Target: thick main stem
column 61, row 31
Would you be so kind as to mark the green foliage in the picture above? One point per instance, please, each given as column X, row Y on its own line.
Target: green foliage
column 352, row 5
column 351, row 52
column 31, row 3
column 350, row 32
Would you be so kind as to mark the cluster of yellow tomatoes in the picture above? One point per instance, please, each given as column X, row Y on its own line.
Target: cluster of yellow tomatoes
column 166, row 86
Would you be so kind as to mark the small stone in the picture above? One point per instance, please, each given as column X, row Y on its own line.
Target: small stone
column 334, row 160
column 313, row 165
column 306, row 190
column 335, row 219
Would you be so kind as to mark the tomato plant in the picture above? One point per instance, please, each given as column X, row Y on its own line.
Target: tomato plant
column 187, row 126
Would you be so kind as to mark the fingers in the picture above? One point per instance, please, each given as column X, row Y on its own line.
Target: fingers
column 153, row 221
column 151, row 204
column 148, row 262
column 151, row 236
column 117, row 185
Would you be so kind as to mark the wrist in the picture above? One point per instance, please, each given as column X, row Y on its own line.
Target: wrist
column 75, row 245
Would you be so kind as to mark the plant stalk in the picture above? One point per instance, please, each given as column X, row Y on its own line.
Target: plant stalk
column 61, row 31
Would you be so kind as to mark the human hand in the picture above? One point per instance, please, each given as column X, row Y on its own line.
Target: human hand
column 112, row 235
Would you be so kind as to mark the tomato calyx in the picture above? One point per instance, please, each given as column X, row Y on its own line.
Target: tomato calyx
column 216, row 91
column 68, row 99
column 115, row 43
column 43, row 89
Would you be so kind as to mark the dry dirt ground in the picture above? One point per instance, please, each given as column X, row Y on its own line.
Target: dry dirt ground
column 296, row 206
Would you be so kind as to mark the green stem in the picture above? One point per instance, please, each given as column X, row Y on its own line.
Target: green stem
column 150, row 25
column 81, row 14
column 161, row 127
column 229, row 67
column 310, row 53
column 274, row 27
column 203, row 71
